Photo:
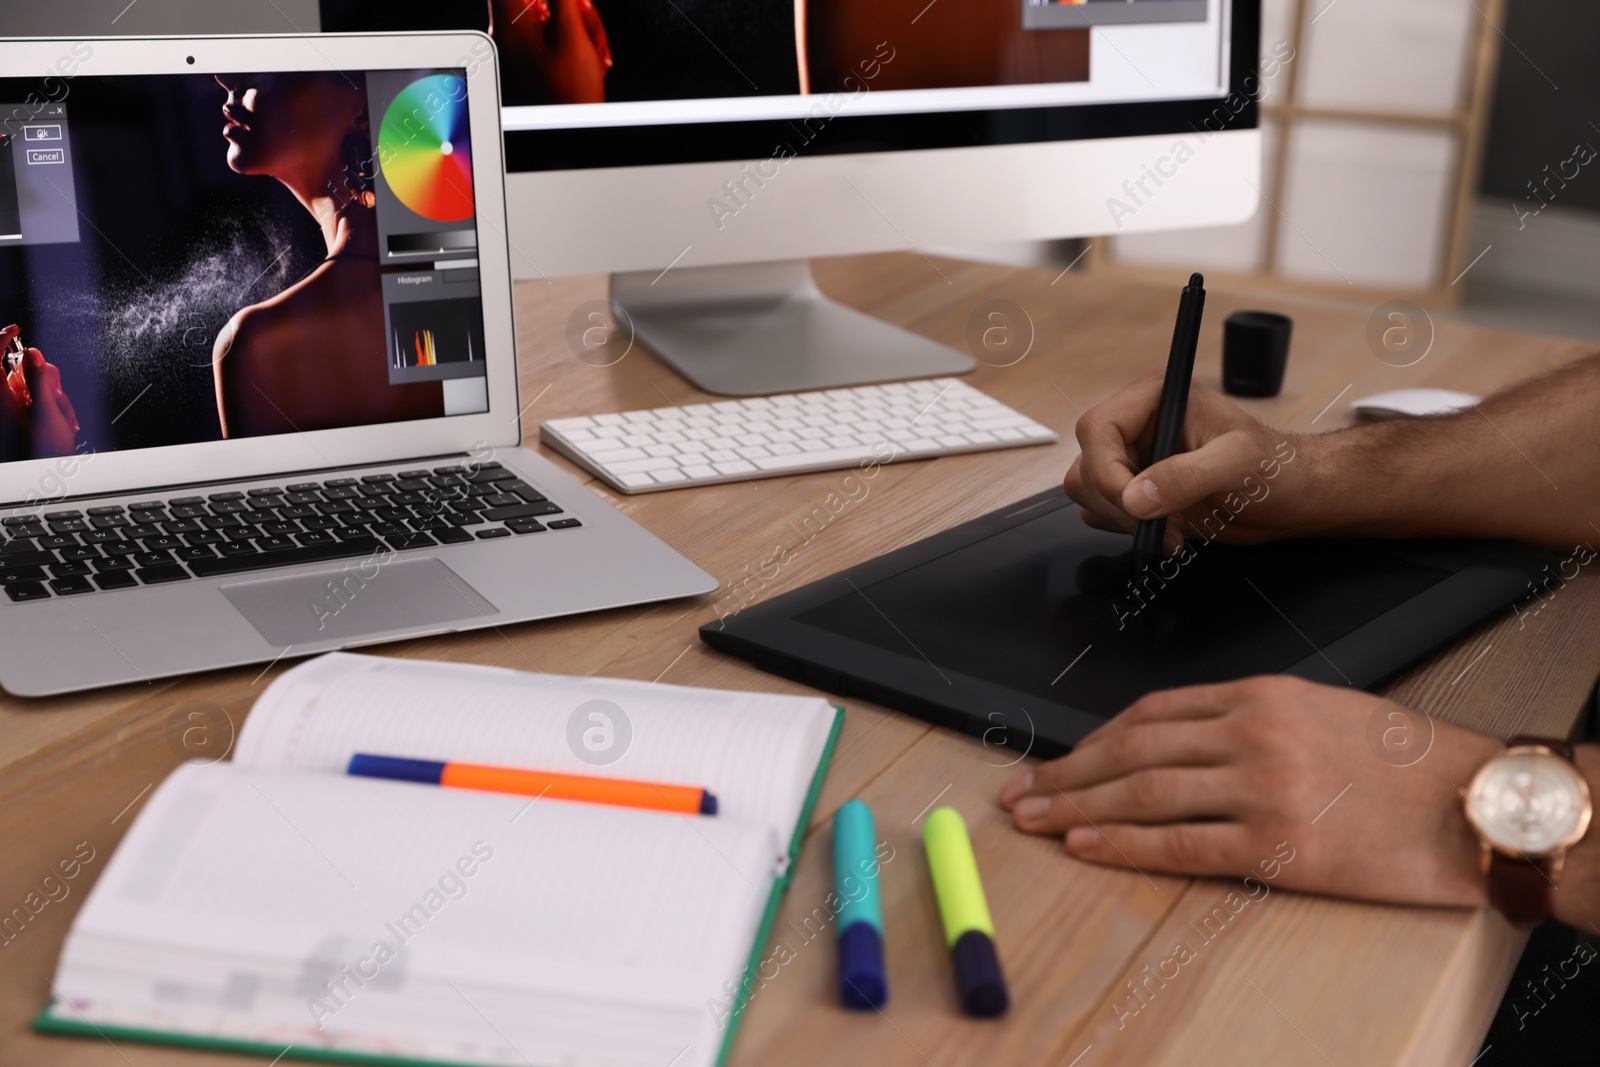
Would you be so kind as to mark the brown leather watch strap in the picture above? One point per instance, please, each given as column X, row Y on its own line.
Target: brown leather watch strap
column 1559, row 747
column 1520, row 889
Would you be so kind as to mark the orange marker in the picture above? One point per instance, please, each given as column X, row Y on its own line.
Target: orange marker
column 685, row 799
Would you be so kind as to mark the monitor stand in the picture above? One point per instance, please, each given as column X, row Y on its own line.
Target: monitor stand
column 757, row 328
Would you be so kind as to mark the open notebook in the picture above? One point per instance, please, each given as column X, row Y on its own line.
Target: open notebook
column 273, row 902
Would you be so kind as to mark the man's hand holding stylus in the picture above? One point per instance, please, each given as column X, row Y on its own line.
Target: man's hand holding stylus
column 1209, row 780
column 1227, row 457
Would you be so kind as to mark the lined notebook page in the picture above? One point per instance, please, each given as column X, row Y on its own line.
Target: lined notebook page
column 584, row 934
column 756, row 752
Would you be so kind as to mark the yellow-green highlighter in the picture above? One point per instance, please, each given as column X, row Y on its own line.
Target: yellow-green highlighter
column 968, row 930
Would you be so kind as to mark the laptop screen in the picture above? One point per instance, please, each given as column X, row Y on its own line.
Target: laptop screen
column 190, row 258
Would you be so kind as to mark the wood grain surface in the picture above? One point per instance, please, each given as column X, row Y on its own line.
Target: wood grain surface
column 1289, row 979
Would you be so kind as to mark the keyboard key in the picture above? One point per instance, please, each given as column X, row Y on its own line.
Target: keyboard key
column 412, row 475
column 150, row 559
column 53, row 516
column 227, row 507
column 71, row 584
column 316, row 537
column 203, row 537
column 525, row 526
column 521, row 511
column 268, row 491
column 108, row 522
column 189, row 511
column 195, row 552
column 61, row 570
column 79, row 552
column 376, row 479
column 237, row 548
column 24, row 559
column 358, row 546
column 164, row 572
column 410, row 540
column 522, row 489
column 336, row 483
column 312, row 487
column 273, row 544
column 494, row 531
column 115, row 580
column 451, row 535
column 27, row 572
column 104, row 509
column 565, row 524
column 635, row 481
column 27, row 591
column 185, row 501
column 113, row 563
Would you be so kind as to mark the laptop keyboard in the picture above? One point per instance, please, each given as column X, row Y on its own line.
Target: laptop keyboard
column 151, row 542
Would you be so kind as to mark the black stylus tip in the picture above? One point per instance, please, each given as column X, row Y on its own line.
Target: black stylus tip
column 1197, row 281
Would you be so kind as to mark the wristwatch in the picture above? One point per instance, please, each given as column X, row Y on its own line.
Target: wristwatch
column 1529, row 804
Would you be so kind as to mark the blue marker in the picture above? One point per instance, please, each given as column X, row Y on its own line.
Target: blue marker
column 862, row 984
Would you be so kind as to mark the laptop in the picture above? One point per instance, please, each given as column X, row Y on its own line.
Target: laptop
column 261, row 388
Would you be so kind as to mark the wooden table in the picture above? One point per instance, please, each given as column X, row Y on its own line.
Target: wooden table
column 1292, row 979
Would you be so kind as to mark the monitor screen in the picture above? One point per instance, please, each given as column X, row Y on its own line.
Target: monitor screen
column 188, row 258
column 698, row 80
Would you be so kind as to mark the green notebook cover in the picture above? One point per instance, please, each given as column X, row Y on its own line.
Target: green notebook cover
column 47, row 1023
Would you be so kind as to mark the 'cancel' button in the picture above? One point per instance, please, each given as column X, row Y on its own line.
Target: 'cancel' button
column 46, row 155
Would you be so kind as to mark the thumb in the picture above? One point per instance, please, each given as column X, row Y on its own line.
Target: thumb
column 33, row 372
column 1184, row 480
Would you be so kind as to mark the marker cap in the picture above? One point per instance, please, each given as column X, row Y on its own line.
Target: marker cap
column 978, row 977
column 861, row 973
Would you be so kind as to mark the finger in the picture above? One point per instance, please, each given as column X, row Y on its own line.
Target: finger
column 8, row 334
column 1141, row 747
column 597, row 31
column 1218, row 466
column 1207, row 848
column 1091, row 519
column 1161, row 795
column 1168, row 705
column 54, row 424
column 1112, row 516
column 1106, row 464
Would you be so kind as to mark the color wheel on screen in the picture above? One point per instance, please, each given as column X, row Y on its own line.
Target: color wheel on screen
column 425, row 151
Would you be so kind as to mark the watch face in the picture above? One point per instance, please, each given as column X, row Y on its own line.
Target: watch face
column 1529, row 802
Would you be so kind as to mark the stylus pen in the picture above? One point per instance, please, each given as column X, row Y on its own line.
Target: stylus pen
column 686, row 800
column 1148, row 535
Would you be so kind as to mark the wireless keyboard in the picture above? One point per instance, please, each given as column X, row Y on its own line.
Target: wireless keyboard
column 732, row 440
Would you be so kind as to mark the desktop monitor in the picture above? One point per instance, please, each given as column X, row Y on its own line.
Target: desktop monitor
column 699, row 151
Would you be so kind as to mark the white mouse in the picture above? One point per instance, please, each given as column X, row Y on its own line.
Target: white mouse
column 1400, row 403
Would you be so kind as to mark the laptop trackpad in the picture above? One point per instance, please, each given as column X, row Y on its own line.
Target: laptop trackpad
column 362, row 598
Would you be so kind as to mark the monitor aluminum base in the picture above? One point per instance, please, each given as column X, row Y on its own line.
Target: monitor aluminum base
column 757, row 328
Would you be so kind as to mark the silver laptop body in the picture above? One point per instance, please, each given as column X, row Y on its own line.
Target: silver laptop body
column 261, row 393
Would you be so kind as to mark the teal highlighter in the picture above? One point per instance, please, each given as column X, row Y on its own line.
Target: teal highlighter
column 862, row 981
